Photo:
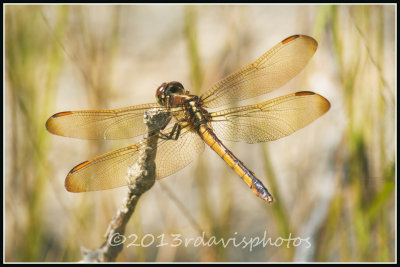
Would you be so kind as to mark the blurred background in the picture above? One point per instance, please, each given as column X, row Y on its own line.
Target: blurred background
column 333, row 181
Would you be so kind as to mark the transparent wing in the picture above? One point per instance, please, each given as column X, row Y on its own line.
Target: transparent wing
column 269, row 72
column 269, row 120
column 101, row 124
column 110, row 170
column 174, row 155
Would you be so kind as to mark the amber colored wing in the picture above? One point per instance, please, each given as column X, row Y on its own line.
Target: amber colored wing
column 269, row 72
column 100, row 124
column 110, row 170
column 269, row 120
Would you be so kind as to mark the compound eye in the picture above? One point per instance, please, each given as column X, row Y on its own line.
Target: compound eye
column 161, row 94
column 176, row 87
column 161, row 89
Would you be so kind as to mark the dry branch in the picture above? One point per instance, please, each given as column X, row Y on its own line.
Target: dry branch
column 143, row 174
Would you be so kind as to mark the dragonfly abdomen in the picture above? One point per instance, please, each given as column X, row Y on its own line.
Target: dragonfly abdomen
column 247, row 175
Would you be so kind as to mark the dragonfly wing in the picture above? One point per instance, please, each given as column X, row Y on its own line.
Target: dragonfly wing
column 101, row 124
column 269, row 72
column 269, row 120
column 173, row 155
column 110, row 170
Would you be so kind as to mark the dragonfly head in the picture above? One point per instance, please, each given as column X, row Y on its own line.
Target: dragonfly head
column 166, row 90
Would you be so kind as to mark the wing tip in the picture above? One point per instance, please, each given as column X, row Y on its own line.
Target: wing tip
column 71, row 186
column 304, row 37
column 51, row 123
column 48, row 124
column 324, row 104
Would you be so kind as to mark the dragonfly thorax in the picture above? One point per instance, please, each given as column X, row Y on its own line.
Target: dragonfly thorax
column 197, row 112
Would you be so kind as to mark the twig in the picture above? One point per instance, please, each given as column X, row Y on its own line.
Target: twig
column 142, row 174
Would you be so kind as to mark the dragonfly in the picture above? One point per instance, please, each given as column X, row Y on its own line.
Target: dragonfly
column 193, row 122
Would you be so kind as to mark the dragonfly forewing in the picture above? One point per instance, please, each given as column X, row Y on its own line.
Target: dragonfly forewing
column 101, row 124
column 269, row 72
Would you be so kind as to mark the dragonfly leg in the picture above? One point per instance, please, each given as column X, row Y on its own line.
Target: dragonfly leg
column 174, row 134
column 166, row 123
